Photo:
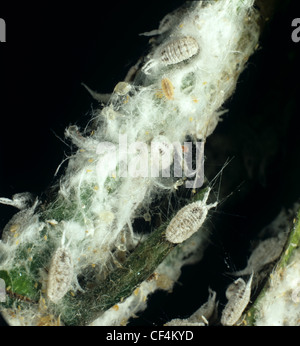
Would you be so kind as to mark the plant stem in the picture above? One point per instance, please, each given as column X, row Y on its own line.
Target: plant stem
column 291, row 247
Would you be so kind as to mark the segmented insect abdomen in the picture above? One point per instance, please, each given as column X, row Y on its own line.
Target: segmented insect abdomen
column 60, row 274
column 238, row 299
column 179, row 50
column 186, row 222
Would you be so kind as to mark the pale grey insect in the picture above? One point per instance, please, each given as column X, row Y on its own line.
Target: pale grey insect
column 177, row 322
column 295, row 296
column 172, row 19
column 174, row 52
column 188, row 220
column 179, row 50
column 60, row 274
column 266, row 252
column 201, row 316
column 166, row 23
column 207, row 310
column 21, row 200
column 238, row 295
column 2, row 291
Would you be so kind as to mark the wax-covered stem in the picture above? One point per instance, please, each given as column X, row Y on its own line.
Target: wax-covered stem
column 292, row 245
column 85, row 307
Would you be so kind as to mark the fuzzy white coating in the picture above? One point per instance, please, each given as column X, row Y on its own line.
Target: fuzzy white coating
column 60, row 274
column 238, row 295
column 188, row 220
column 280, row 306
column 99, row 204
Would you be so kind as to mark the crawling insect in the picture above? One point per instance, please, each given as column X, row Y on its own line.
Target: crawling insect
column 207, row 310
column 238, row 295
column 167, row 22
column 60, row 273
column 21, row 200
column 266, row 252
column 167, row 88
column 2, row 291
column 177, row 322
column 174, row 52
column 179, row 50
column 199, row 317
column 188, row 220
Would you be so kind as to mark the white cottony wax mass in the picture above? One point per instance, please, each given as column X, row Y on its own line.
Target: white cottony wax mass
column 176, row 95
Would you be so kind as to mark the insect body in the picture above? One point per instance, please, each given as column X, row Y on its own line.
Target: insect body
column 179, row 50
column 2, row 291
column 207, row 310
column 167, row 22
column 199, row 317
column 238, row 295
column 176, row 322
column 167, row 88
column 60, row 274
column 174, row 52
column 188, row 220
column 266, row 252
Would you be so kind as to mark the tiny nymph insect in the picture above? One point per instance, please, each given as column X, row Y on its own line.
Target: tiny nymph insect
column 188, row 220
column 167, row 88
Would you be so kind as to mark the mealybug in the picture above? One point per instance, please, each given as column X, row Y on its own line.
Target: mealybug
column 2, row 291
column 167, row 88
column 60, row 274
column 238, row 295
column 188, row 220
column 179, row 50
column 174, row 52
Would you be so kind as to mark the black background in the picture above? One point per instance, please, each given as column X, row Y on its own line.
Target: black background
column 51, row 48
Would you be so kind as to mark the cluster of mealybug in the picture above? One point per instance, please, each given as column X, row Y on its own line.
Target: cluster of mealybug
column 60, row 274
column 238, row 295
column 188, row 220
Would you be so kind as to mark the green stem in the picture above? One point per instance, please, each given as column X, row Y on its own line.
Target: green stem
column 292, row 245
column 85, row 307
